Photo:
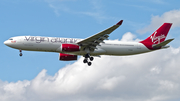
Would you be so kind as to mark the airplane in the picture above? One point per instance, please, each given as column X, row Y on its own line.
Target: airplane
column 95, row 45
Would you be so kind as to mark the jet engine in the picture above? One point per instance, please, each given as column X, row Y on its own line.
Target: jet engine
column 70, row 48
column 67, row 57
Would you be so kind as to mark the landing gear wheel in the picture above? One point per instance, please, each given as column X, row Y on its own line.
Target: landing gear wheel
column 89, row 63
column 20, row 54
column 85, row 61
column 91, row 58
column 87, row 56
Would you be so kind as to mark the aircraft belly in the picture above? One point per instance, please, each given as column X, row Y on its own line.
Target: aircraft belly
column 40, row 47
column 124, row 50
column 119, row 51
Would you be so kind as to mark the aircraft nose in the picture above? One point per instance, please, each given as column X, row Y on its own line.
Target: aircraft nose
column 6, row 42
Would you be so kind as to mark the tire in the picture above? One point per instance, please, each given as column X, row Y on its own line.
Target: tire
column 89, row 63
column 20, row 54
column 91, row 58
column 85, row 61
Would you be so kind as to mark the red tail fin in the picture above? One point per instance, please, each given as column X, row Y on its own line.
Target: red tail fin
column 158, row 36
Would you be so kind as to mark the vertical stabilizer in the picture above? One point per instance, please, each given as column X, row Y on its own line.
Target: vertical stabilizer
column 158, row 36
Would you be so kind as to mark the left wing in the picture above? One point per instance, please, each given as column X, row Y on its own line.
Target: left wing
column 91, row 42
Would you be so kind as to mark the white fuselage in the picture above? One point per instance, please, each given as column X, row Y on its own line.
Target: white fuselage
column 53, row 44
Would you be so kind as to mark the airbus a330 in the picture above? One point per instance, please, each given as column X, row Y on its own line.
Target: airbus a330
column 96, row 45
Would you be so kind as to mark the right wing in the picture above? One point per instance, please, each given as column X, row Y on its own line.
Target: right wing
column 91, row 42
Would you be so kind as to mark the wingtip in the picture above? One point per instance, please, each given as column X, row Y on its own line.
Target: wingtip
column 172, row 39
column 120, row 22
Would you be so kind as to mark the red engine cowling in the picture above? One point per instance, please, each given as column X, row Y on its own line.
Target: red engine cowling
column 70, row 47
column 67, row 57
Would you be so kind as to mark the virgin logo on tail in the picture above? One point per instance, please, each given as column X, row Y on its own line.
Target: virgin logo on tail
column 155, row 38
column 158, row 36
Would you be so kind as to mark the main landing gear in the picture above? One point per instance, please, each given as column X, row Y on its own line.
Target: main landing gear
column 87, row 56
column 20, row 54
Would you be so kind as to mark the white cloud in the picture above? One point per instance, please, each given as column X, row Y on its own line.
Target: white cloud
column 156, row 70
column 147, row 77
column 172, row 16
column 110, row 83
column 128, row 37
column 13, row 91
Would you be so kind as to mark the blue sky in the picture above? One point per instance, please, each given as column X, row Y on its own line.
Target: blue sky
column 75, row 19
column 71, row 18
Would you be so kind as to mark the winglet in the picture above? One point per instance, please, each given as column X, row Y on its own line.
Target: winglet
column 120, row 22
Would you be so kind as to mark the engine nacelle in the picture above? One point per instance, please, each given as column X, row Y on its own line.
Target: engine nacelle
column 67, row 57
column 70, row 48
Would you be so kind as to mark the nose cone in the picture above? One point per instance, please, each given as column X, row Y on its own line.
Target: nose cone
column 7, row 42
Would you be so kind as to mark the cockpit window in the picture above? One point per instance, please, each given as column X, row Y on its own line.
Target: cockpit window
column 10, row 39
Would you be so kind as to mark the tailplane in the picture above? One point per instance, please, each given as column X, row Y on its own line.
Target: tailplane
column 162, row 44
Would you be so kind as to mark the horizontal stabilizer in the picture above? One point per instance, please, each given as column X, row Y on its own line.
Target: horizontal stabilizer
column 162, row 44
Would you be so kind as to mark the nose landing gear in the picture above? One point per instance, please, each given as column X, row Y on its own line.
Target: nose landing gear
column 87, row 56
column 20, row 54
